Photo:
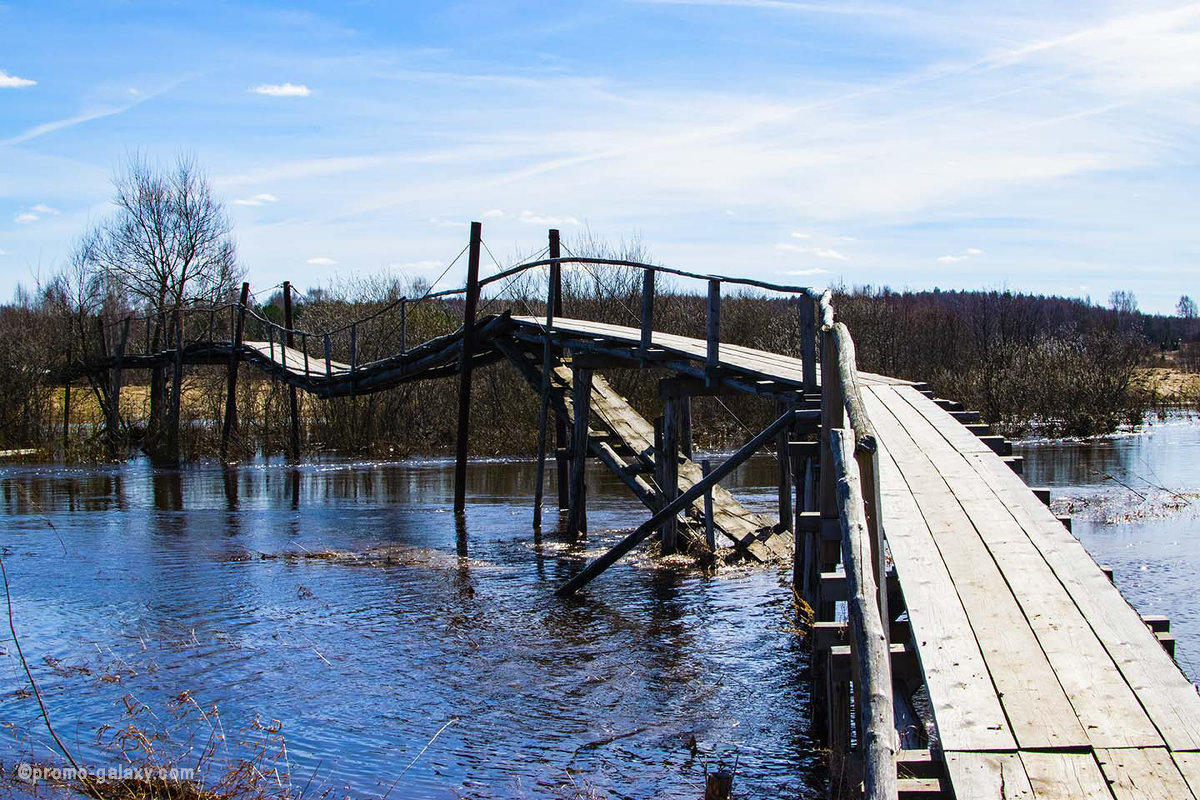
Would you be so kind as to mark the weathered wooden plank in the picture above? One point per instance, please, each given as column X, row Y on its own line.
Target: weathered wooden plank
column 1189, row 767
column 988, row 776
column 1036, row 706
column 1065, row 776
column 1169, row 698
column 1143, row 774
column 965, row 705
column 1107, row 708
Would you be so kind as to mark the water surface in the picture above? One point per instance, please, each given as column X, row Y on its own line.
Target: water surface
column 132, row 586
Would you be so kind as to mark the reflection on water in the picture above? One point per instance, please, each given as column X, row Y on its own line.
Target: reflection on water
column 153, row 582
column 1154, row 550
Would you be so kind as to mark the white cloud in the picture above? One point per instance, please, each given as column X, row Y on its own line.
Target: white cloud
column 801, row 235
column 13, row 82
column 256, row 200
column 282, row 90
column 544, row 219
column 807, row 272
column 41, row 208
column 3, row 252
column 819, row 252
column 493, row 213
column 969, row 253
column 24, row 218
column 828, row 252
column 321, row 261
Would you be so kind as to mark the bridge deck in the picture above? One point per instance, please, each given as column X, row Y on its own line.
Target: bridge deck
column 1044, row 681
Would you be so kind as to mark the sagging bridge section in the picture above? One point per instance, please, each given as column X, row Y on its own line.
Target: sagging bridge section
column 964, row 642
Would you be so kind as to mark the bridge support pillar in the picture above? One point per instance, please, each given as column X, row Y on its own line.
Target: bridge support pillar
column 229, row 426
column 581, row 401
column 668, row 459
column 293, row 396
column 462, row 443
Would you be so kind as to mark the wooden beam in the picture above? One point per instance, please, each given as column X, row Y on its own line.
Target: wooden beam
column 668, row 457
column 808, row 342
column 235, row 351
column 712, row 359
column 293, row 398
column 869, row 640
column 560, row 422
column 462, row 443
column 581, row 401
column 647, row 321
column 599, row 565
column 544, row 406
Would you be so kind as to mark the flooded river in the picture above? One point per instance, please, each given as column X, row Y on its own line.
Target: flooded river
column 452, row 671
column 190, row 605
column 1134, row 500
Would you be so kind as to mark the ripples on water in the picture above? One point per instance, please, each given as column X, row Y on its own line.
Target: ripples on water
column 156, row 576
column 1147, row 528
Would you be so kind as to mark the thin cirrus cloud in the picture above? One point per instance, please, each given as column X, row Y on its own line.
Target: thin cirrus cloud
column 24, row 218
column 807, row 272
column 282, row 90
column 321, row 261
column 965, row 255
column 8, row 81
column 256, row 200
column 531, row 218
column 819, row 252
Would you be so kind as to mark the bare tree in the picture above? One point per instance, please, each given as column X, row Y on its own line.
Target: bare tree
column 169, row 245
column 1123, row 302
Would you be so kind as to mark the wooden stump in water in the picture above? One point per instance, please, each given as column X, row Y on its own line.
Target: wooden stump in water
column 718, row 785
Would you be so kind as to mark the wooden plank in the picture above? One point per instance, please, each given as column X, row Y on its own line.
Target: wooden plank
column 965, row 705
column 1036, row 706
column 1065, row 776
column 1169, row 698
column 988, row 776
column 1107, row 708
column 1143, row 774
column 1189, row 767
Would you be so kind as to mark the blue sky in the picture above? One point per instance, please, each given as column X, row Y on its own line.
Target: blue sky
column 1029, row 146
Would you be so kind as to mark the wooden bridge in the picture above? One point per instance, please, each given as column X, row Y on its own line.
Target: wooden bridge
column 964, row 642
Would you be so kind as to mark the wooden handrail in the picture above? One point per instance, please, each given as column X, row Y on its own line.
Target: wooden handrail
column 868, row 637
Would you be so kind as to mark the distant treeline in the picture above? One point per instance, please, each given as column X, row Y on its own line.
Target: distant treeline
column 1028, row 363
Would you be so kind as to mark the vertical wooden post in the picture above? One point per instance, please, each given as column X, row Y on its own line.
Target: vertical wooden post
column 647, row 308
column 353, row 347
column 669, row 455
column 710, row 527
column 581, row 401
column 328, row 358
column 271, row 341
column 304, row 347
column 464, row 371
column 833, row 415
column 289, row 322
column 544, row 407
column 235, row 354
column 808, row 341
column 784, row 469
column 113, row 424
column 560, row 422
column 713, row 331
column 176, row 392
column 868, row 470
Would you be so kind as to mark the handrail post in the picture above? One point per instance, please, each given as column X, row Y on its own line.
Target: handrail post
column 237, row 327
column 544, row 406
column 353, row 349
column 713, row 331
column 464, row 371
column 647, row 310
column 328, row 358
column 581, row 405
column 560, row 422
column 289, row 321
column 808, row 342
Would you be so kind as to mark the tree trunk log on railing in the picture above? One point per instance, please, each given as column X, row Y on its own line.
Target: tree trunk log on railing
column 869, row 640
